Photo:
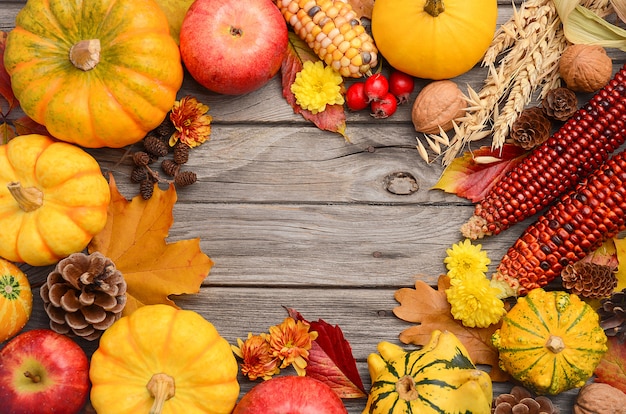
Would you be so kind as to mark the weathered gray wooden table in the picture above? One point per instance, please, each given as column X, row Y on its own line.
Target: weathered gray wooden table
column 297, row 217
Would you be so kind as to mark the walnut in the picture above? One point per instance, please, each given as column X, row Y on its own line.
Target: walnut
column 437, row 105
column 585, row 68
column 600, row 398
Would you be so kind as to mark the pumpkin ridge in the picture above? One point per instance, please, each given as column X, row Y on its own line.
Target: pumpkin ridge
column 524, row 328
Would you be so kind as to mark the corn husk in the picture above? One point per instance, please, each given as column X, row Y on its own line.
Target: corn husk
column 583, row 26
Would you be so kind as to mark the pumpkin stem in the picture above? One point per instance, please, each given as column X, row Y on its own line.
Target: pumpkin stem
column 405, row 387
column 555, row 344
column 85, row 54
column 434, row 7
column 162, row 388
column 29, row 199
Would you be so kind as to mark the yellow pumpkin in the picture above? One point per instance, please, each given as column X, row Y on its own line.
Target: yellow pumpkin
column 16, row 300
column 160, row 359
column 97, row 73
column 438, row 378
column 434, row 39
column 53, row 199
column 550, row 341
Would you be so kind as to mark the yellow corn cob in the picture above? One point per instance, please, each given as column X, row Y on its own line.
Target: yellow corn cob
column 333, row 30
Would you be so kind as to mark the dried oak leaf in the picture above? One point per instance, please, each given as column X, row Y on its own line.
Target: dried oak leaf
column 331, row 360
column 362, row 8
column 612, row 367
column 472, row 175
column 333, row 118
column 134, row 239
column 429, row 308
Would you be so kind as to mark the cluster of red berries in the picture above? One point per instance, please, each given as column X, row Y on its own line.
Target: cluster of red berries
column 381, row 94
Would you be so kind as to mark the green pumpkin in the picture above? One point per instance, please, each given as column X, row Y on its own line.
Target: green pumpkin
column 550, row 341
column 438, row 378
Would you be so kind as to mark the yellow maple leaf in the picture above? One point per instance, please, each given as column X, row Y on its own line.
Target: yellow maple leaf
column 134, row 239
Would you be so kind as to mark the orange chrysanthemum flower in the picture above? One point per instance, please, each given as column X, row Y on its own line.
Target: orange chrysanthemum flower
column 193, row 126
column 290, row 342
column 258, row 361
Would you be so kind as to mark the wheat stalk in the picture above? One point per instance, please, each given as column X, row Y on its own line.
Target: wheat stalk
column 528, row 45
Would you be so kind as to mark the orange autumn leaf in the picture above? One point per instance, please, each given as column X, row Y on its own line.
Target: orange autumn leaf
column 429, row 308
column 472, row 175
column 134, row 239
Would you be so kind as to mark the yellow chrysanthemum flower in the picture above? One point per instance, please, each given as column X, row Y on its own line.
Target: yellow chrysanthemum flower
column 474, row 301
column 316, row 86
column 466, row 259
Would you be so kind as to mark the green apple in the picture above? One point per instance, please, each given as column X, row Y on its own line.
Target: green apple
column 175, row 11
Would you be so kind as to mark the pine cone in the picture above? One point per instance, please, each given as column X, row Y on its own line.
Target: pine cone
column 84, row 295
column 520, row 400
column 589, row 280
column 146, row 188
column 170, row 167
column 560, row 103
column 531, row 128
column 612, row 314
column 165, row 128
column 141, row 158
column 181, row 152
column 155, row 146
column 138, row 174
column 185, row 178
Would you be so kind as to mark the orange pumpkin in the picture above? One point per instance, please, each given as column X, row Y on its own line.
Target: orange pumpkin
column 97, row 73
column 16, row 300
column 53, row 199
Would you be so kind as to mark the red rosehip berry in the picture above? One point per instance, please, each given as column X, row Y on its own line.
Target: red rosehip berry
column 385, row 107
column 376, row 87
column 356, row 99
column 401, row 85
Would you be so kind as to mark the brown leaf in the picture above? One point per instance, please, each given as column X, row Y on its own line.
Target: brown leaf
column 25, row 125
column 331, row 360
column 429, row 308
column 333, row 118
column 134, row 239
column 7, row 133
column 472, row 175
column 612, row 366
column 7, row 98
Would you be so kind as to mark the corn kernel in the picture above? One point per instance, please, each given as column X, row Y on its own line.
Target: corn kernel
column 343, row 47
column 337, row 40
column 350, row 52
column 336, row 65
column 332, row 12
column 326, row 42
column 293, row 7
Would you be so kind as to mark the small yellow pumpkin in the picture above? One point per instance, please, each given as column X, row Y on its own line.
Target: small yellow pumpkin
column 97, row 73
column 160, row 359
column 53, row 199
column 438, row 378
column 16, row 300
column 434, row 39
column 550, row 341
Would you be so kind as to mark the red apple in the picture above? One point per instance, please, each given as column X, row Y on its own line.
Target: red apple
column 290, row 394
column 233, row 47
column 43, row 372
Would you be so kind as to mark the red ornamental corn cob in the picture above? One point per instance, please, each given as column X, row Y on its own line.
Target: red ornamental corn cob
column 580, row 146
column 577, row 224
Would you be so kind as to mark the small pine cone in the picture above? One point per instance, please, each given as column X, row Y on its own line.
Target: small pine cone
column 181, row 152
column 185, row 178
column 531, row 128
column 155, row 146
column 589, row 280
column 560, row 103
column 138, row 174
column 520, row 400
column 84, row 295
column 146, row 188
column 165, row 128
column 141, row 158
column 170, row 167
column 612, row 314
